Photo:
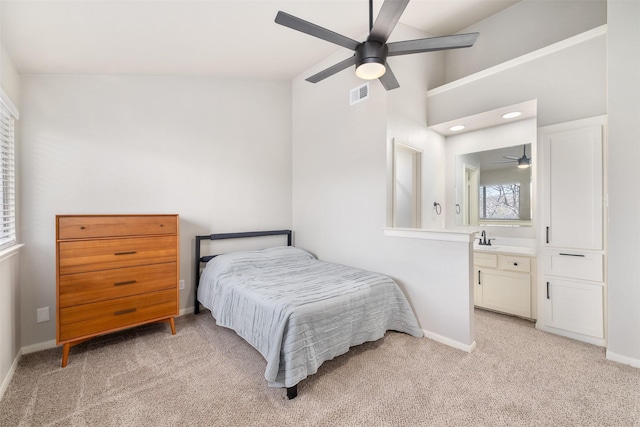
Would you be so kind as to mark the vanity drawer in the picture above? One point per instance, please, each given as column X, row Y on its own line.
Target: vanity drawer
column 514, row 263
column 482, row 259
column 575, row 264
column 84, row 227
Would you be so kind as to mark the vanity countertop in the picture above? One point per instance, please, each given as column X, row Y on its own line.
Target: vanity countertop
column 504, row 249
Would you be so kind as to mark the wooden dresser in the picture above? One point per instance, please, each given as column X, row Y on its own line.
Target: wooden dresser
column 114, row 272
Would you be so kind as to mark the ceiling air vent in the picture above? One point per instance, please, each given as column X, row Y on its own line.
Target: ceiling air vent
column 360, row 93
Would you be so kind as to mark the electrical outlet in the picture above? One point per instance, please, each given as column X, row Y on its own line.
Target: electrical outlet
column 42, row 314
column 181, row 284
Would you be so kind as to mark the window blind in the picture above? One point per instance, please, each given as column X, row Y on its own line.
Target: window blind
column 7, row 177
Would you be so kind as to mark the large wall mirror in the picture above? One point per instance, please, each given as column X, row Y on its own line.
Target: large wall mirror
column 407, row 173
column 494, row 187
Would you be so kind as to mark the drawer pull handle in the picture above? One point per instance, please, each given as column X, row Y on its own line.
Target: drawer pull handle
column 83, row 227
column 125, row 253
column 479, row 280
column 578, row 255
column 515, row 264
column 129, row 282
column 548, row 290
column 129, row 310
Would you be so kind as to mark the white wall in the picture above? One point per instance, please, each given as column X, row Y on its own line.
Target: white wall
column 516, row 133
column 524, row 27
column 568, row 84
column 9, row 78
column 9, row 265
column 340, row 190
column 9, row 317
column 406, row 113
column 215, row 151
column 624, row 202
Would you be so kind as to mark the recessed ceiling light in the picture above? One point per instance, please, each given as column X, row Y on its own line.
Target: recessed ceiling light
column 456, row 128
column 511, row 115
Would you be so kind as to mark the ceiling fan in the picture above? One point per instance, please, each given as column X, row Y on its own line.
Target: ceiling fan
column 523, row 162
column 370, row 57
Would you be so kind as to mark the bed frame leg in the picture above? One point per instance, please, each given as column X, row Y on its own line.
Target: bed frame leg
column 292, row 392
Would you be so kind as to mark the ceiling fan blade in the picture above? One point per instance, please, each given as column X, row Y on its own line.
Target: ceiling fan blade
column 387, row 19
column 503, row 161
column 332, row 70
column 314, row 30
column 388, row 79
column 511, row 157
column 432, row 44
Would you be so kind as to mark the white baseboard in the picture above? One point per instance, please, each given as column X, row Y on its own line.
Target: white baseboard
column 46, row 345
column 623, row 359
column 601, row 342
column 188, row 310
column 9, row 376
column 451, row 343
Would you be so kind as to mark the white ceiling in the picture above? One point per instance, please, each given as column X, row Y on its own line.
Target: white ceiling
column 205, row 37
column 527, row 110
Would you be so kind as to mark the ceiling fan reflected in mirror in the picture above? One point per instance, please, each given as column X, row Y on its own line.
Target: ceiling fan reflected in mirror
column 523, row 162
column 370, row 56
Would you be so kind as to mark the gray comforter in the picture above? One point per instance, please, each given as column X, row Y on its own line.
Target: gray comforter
column 298, row 311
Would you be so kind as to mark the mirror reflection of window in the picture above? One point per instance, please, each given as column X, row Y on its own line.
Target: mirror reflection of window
column 500, row 201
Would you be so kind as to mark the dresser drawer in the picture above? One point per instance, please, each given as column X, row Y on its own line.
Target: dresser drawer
column 83, row 288
column 84, row 227
column 515, row 263
column 101, row 316
column 93, row 255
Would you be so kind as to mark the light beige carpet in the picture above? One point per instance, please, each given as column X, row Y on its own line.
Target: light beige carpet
column 208, row 376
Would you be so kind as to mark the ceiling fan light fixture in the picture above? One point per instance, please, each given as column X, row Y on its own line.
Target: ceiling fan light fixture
column 370, row 60
column 370, row 56
column 524, row 162
column 371, row 69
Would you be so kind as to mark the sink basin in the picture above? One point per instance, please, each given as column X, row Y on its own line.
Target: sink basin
column 505, row 249
column 477, row 247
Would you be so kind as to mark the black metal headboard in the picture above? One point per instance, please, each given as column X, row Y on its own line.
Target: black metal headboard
column 224, row 236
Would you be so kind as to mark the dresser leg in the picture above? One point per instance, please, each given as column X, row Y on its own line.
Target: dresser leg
column 65, row 354
column 173, row 326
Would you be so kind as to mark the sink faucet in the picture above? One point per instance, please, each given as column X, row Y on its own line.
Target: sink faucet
column 483, row 241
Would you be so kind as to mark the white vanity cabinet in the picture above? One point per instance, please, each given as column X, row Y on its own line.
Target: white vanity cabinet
column 573, row 283
column 502, row 282
column 573, row 188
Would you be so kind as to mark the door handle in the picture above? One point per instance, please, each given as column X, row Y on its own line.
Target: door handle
column 548, row 290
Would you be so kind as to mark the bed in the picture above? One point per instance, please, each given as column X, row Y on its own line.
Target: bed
column 296, row 310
